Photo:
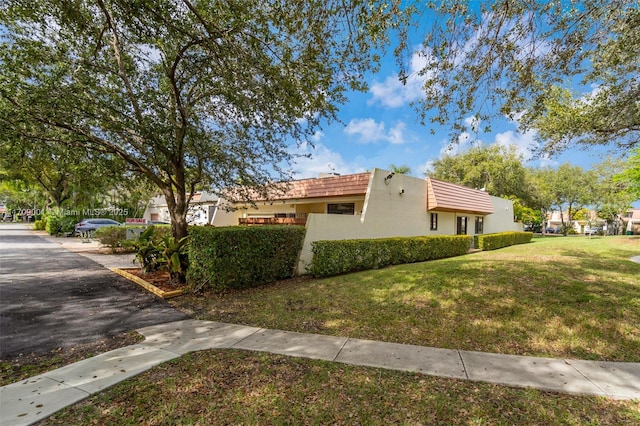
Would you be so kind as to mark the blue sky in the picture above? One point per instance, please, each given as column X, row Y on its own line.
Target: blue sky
column 380, row 128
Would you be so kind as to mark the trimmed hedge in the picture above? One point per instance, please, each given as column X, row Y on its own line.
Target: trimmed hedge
column 59, row 225
column 241, row 257
column 502, row 239
column 342, row 256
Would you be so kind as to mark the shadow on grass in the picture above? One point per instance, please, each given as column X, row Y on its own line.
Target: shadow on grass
column 560, row 299
column 509, row 309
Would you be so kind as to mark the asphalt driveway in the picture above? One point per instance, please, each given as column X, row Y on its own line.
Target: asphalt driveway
column 51, row 297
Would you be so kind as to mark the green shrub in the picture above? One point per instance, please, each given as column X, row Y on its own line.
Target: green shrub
column 241, row 257
column 111, row 236
column 502, row 239
column 157, row 250
column 40, row 224
column 59, row 224
column 175, row 257
column 342, row 256
column 148, row 250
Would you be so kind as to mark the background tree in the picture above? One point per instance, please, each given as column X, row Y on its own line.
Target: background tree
column 187, row 93
column 401, row 170
column 612, row 196
column 530, row 217
column 630, row 174
column 521, row 59
column 541, row 192
column 63, row 172
column 495, row 168
column 18, row 195
column 571, row 188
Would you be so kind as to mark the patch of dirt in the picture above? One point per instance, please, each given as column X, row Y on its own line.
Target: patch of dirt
column 24, row 366
column 107, row 250
column 160, row 279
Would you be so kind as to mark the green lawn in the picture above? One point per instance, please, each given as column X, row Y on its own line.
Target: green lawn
column 243, row 388
column 573, row 297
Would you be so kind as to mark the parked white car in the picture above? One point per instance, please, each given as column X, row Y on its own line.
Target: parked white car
column 594, row 231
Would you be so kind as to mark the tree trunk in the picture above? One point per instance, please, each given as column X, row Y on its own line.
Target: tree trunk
column 177, row 204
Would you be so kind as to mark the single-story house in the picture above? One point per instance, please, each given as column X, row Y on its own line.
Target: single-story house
column 554, row 221
column 627, row 223
column 375, row 204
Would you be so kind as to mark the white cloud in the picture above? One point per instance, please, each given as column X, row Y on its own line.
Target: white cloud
column 463, row 138
column 396, row 133
column 369, row 130
column 424, row 169
column 546, row 161
column 317, row 136
column 473, row 123
column 321, row 159
column 392, row 93
column 524, row 143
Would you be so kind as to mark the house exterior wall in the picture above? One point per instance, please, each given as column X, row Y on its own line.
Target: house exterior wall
column 157, row 210
column 265, row 210
column 224, row 217
column 311, row 208
column 502, row 218
column 397, row 208
column 269, row 210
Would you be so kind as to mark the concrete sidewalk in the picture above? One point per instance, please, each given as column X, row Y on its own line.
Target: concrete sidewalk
column 34, row 399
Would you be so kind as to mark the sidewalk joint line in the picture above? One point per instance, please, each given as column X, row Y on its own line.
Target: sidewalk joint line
column 341, row 348
column 246, row 337
column 464, row 367
column 568, row 362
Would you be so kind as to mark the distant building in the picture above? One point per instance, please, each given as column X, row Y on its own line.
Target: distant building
column 631, row 222
column 201, row 211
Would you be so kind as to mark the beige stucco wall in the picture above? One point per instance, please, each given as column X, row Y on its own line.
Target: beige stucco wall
column 395, row 208
column 398, row 208
column 502, row 218
column 261, row 209
column 266, row 210
column 224, row 217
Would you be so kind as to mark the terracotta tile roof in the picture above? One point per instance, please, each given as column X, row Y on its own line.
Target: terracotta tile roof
column 448, row 197
column 334, row 186
column 323, row 187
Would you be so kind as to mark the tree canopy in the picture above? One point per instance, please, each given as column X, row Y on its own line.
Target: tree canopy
column 186, row 93
column 495, row 169
column 525, row 60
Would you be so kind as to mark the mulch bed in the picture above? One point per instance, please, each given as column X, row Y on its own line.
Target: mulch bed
column 160, row 279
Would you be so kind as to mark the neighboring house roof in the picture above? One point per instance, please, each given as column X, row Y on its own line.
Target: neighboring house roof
column 448, row 197
column 198, row 197
column 333, row 186
column 320, row 187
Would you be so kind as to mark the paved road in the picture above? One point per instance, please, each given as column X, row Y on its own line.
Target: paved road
column 51, row 297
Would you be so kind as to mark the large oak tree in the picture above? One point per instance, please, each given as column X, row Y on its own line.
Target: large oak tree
column 188, row 93
column 536, row 62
